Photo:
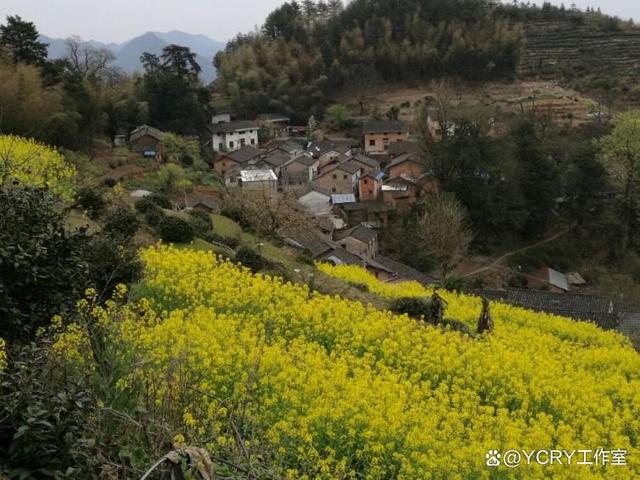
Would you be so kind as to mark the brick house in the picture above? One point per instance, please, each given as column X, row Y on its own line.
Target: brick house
column 379, row 135
column 405, row 166
column 360, row 240
column 146, row 140
column 299, row 171
column 341, row 178
column 367, row 164
column 369, row 186
column 226, row 161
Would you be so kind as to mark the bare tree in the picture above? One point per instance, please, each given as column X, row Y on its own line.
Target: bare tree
column 87, row 61
column 442, row 227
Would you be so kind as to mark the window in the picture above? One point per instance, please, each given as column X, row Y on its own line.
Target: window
column 230, row 144
column 335, row 176
column 344, row 177
column 221, row 146
column 372, row 143
column 366, row 182
column 253, row 141
column 333, row 190
column 370, row 192
column 243, row 142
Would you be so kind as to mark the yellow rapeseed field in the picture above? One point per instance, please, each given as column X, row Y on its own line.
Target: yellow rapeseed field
column 319, row 387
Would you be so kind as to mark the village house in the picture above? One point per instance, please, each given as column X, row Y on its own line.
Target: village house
column 220, row 117
column 366, row 164
column 379, row 134
column 256, row 180
column 226, row 161
column 341, row 178
column 147, row 141
column 299, row 170
column 231, row 136
column 369, row 186
column 405, row 166
column 327, row 151
column 275, row 160
column 375, row 214
column 405, row 146
column 360, row 240
column 549, row 279
column 401, row 193
column 291, row 148
column 315, row 200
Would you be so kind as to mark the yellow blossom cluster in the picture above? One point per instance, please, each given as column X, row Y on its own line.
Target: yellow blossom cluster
column 28, row 162
column 3, row 355
column 320, row 387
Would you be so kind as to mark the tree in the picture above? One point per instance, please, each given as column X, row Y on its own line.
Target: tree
column 86, row 61
column 30, row 164
column 43, row 271
column 337, row 115
column 621, row 155
column 20, row 38
column 443, row 230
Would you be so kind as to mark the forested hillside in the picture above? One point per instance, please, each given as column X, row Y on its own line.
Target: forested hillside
column 307, row 50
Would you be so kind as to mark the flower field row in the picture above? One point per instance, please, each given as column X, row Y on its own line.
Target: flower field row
column 311, row 386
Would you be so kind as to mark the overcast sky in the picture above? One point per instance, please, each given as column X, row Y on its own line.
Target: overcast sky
column 120, row 20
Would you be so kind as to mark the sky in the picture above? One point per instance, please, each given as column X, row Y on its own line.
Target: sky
column 120, row 20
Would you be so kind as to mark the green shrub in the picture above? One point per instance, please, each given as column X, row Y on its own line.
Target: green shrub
column 145, row 205
column 121, row 223
column 91, row 200
column 251, row 259
column 200, row 222
column 175, row 230
column 110, row 182
column 160, row 200
column 414, row 307
column 154, row 216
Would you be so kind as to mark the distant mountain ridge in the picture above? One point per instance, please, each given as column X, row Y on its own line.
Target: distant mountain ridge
column 128, row 53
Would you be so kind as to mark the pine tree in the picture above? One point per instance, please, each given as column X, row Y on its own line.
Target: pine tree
column 20, row 38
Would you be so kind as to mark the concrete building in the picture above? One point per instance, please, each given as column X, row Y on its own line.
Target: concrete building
column 231, row 136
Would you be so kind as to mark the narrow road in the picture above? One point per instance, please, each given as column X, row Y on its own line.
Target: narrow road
column 501, row 259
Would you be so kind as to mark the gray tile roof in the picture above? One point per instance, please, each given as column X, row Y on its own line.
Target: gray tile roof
column 307, row 240
column 385, row 126
column 276, row 159
column 143, row 130
column 362, row 233
column 238, row 125
column 599, row 310
column 370, row 162
column 244, row 154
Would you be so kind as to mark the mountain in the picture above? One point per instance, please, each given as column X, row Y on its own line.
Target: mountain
column 128, row 53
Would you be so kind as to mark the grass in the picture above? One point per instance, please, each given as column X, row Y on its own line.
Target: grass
column 225, row 227
column 201, row 245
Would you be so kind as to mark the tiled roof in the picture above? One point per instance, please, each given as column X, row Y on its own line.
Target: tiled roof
column 257, row 175
column 238, row 125
column 385, row 126
column 405, row 157
column 361, row 233
column 307, row 240
column 305, row 160
column 370, row 162
column 243, row 155
column 602, row 311
column 405, row 272
column 143, row 130
column 276, row 158
column 405, row 146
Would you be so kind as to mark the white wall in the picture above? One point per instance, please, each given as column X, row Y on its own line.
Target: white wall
column 233, row 141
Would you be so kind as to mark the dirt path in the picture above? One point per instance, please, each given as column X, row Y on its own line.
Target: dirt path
column 501, row 259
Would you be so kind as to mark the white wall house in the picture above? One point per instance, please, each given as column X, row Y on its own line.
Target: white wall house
column 232, row 136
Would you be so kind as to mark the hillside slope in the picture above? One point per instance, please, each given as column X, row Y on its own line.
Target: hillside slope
column 285, row 383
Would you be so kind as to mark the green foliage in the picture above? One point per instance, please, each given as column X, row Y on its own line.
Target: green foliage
column 213, row 237
column 175, row 230
column 121, row 223
column 175, row 97
column 251, row 259
column 42, row 266
column 91, row 200
column 200, row 222
column 20, row 39
column 303, row 54
column 45, row 419
column 181, row 149
column 337, row 116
